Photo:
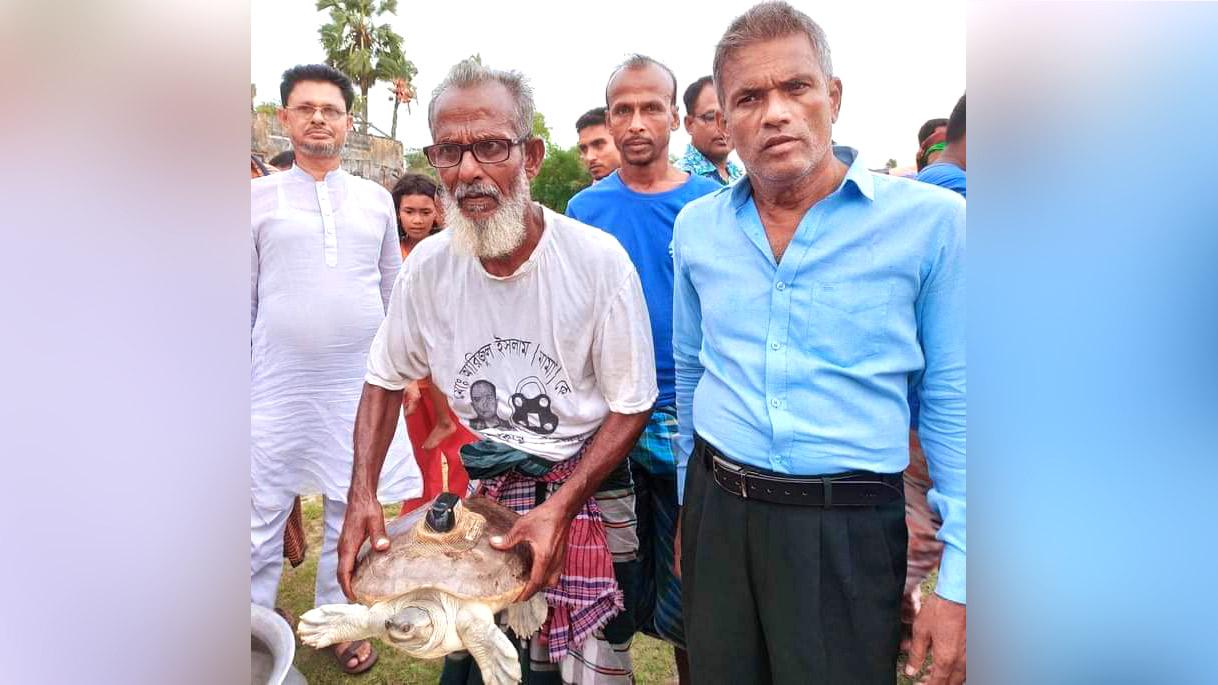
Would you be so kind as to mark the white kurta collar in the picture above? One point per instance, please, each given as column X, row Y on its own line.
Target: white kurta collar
column 297, row 173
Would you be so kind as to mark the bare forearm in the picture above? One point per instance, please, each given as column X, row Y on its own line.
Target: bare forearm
column 375, row 422
column 609, row 447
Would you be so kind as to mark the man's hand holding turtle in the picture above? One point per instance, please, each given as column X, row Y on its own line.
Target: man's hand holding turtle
column 545, row 530
column 364, row 520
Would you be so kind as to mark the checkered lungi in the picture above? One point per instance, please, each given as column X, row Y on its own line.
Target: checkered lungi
column 654, row 470
column 593, row 651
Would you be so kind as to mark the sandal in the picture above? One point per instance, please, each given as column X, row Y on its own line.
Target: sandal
column 287, row 616
column 351, row 653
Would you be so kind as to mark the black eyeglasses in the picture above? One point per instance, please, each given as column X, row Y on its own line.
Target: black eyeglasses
column 489, row 151
column 707, row 118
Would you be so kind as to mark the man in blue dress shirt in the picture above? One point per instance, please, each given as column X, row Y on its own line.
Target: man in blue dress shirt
column 810, row 299
column 638, row 205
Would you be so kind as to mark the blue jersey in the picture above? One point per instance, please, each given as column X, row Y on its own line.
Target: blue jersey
column 945, row 175
column 643, row 222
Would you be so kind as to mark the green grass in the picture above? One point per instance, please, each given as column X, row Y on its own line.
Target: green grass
column 653, row 661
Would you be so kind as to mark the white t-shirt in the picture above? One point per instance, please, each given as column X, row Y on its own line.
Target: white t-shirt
column 535, row 360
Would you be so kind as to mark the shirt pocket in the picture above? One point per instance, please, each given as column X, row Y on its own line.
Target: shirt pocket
column 847, row 320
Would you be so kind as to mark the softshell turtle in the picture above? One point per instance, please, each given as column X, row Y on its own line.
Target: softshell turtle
column 437, row 590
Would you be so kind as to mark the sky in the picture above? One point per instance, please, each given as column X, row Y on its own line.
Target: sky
column 900, row 63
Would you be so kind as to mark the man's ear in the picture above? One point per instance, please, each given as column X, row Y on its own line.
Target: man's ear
column 689, row 124
column 534, row 153
column 835, row 96
column 676, row 119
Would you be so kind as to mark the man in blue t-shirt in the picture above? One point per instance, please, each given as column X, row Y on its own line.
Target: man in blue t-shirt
column 948, row 170
column 638, row 205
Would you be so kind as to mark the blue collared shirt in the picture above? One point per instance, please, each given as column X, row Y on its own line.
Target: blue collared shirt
column 804, row 366
column 694, row 162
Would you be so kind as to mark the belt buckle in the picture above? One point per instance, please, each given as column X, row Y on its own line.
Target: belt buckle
column 737, row 470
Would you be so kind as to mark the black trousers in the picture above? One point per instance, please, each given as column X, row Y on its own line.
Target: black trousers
column 789, row 594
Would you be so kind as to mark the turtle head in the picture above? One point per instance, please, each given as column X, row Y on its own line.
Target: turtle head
column 410, row 628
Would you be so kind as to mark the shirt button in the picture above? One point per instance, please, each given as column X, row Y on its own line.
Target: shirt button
column 775, row 345
column 780, row 285
column 775, row 402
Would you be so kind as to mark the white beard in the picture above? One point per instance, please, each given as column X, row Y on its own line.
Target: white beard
column 498, row 235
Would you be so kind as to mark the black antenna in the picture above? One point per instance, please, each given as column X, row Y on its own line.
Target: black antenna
column 440, row 517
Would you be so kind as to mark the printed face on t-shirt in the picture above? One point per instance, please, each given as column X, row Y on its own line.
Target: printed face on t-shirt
column 482, row 396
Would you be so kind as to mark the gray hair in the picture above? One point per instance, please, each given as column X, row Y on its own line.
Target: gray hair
column 637, row 61
column 767, row 21
column 470, row 72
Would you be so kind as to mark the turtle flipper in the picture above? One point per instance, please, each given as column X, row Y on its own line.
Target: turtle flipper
column 525, row 618
column 496, row 655
column 330, row 624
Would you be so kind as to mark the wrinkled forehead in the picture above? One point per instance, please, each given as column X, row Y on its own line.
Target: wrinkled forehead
column 765, row 63
column 644, row 83
column 481, row 111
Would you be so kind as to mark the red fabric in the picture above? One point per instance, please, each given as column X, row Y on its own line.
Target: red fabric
column 419, row 425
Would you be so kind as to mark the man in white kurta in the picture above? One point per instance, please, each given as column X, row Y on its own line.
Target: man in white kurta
column 325, row 259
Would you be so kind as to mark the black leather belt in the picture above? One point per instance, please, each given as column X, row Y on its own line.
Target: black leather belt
column 850, row 489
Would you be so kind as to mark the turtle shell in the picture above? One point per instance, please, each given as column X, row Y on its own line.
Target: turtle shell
column 468, row 569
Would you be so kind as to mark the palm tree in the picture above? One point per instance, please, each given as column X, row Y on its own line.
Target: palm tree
column 362, row 49
column 400, row 73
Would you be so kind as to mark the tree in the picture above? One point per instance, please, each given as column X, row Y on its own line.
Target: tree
column 403, row 92
column 362, row 49
column 416, row 162
column 892, row 164
column 561, row 175
column 267, row 108
column 542, row 131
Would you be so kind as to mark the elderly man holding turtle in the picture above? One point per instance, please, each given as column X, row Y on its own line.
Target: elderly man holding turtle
column 549, row 314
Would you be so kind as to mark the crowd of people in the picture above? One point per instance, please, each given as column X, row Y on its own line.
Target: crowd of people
column 744, row 384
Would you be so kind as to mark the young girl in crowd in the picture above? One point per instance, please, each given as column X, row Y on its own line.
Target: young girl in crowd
column 435, row 434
